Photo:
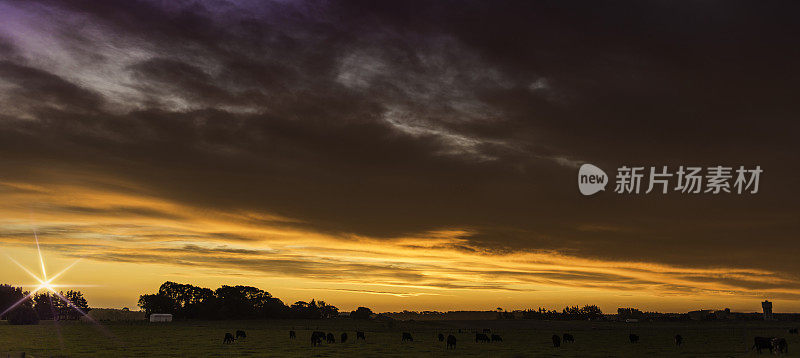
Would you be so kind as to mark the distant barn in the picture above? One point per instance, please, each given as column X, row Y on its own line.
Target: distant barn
column 160, row 317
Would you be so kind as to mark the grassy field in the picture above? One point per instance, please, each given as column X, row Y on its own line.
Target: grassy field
column 270, row 338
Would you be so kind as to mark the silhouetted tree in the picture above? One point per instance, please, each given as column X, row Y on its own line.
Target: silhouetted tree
column 24, row 312
column 43, row 304
column 303, row 309
column 361, row 313
column 582, row 313
column 568, row 313
column 157, row 303
column 326, row 310
column 9, row 295
column 69, row 311
column 188, row 301
column 239, row 301
column 592, row 312
column 628, row 313
column 272, row 307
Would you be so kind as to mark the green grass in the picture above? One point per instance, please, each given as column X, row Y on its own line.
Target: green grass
column 522, row 338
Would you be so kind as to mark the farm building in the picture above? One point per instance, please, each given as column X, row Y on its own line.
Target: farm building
column 160, row 317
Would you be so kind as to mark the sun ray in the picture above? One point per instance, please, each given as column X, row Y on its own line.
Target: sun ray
column 41, row 259
column 19, row 302
column 26, row 269
column 69, row 303
column 63, row 271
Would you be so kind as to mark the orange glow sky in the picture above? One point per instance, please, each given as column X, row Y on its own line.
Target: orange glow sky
column 126, row 254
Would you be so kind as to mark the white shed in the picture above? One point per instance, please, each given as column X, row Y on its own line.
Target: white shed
column 160, row 317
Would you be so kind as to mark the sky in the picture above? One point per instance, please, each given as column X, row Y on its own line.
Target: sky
column 400, row 155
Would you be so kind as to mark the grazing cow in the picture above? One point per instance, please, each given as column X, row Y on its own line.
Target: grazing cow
column 407, row 337
column 360, row 335
column 317, row 337
column 329, row 338
column 678, row 340
column 486, row 330
column 241, row 334
column 780, row 345
column 760, row 343
column 441, row 337
column 568, row 338
column 634, row 338
column 228, row 338
column 344, row 337
column 451, row 341
column 316, row 340
column 480, row 337
column 556, row 341
column 496, row 338
column 292, row 335
column 792, row 330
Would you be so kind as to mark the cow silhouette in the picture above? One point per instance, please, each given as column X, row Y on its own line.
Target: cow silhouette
column 228, row 338
column 407, row 337
column 317, row 337
column 678, row 340
column 568, row 338
column 292, row 335
column 780, row 345
column 343, row 337
column 241, row 334
column 496, row 338
column 480, row 337
column 634, row 338
column 441, row 337
column 360, row 335
column 760, row 343
column 330, row 338
column 556, row 341
column 451, row 341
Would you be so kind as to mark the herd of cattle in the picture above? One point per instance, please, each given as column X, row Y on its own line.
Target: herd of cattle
column 773, row 344
column 318, row 337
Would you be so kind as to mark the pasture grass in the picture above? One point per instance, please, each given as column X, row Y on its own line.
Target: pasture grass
column 522, row 338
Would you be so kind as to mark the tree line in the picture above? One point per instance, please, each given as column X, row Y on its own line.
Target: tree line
column 40, row 306
column 233, row 302
column 587, row 312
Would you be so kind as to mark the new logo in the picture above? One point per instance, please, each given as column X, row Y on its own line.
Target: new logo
column 591, row 179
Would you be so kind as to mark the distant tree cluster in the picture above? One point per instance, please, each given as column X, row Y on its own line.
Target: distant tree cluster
column 361, row 313
column 587, row 312
column 41, row 306
column 50, row 307
column 629, row 313
column 229, row 302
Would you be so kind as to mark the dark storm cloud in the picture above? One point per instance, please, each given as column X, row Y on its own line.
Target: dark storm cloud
column 398, row 118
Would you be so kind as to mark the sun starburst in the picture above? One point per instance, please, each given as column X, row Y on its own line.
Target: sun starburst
column 45, row 283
